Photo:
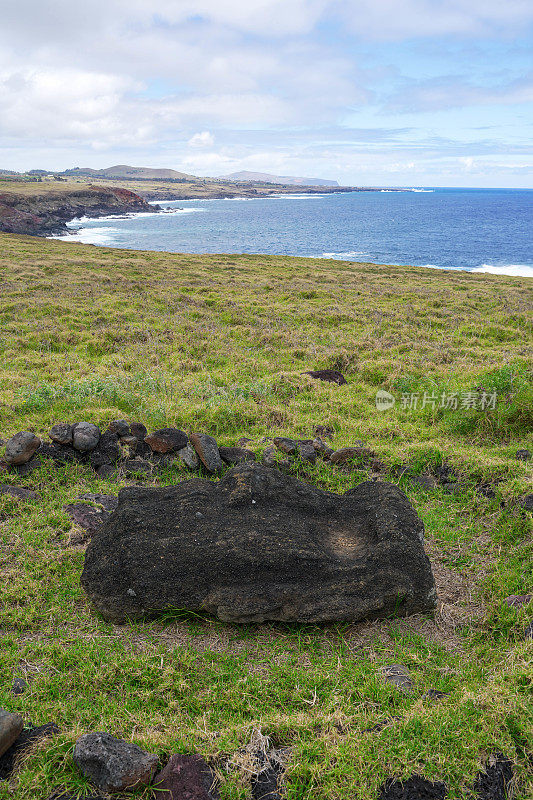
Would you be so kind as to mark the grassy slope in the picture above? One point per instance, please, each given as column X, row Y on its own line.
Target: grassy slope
column 217, row 343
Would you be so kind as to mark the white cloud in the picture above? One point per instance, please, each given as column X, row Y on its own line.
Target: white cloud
column 203, row 139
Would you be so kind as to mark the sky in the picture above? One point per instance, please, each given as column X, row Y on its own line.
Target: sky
column 365, row 92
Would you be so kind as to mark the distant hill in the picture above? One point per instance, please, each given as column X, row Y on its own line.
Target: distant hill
column 124, row 171
column 265, row 177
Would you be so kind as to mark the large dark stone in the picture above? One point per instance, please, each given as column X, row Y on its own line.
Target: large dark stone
column 258, row 545
column 21, row 447
column 167, row 440
column 185, row 777
column 107, row 451
column 113, row 765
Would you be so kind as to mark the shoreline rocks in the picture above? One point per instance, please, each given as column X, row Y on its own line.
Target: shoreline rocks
column 113, row 765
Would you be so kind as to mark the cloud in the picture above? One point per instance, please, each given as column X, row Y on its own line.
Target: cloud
column 447, row 92
column 203, row 139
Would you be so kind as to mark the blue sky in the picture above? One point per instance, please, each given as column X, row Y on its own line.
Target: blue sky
column 367, row 92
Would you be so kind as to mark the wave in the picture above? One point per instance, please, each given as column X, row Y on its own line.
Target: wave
column 420, row 190
column 516, row 270
column 346, row 256
column 89, row 235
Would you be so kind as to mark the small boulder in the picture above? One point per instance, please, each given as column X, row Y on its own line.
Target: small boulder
column 21, row 447
column 19, row 685
column 27, row 739
column 518, row 600
column 322, row 449
column 85, row 436
column 399, row 676
column 207, row 450
column 10, row 729
column 166, row 440
column 62, row 433
column 185, row 777
column 270, row 458
column 188, row 456
column 17, row 492
column 523, row 455
column 107, row 451
column 347, row 455
column 138, row 430
column 328, row 375
column 119, row 427
column 307, row 452
column 235, row 455
column 113, row 765
column 285, row 445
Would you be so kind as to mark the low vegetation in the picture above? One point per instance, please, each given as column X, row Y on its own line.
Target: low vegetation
column 219, row 344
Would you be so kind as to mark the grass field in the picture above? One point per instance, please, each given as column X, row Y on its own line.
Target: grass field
column 218, row 344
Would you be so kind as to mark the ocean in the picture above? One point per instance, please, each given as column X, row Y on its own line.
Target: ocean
column 480, row 230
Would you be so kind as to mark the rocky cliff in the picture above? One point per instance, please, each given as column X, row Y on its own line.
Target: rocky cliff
column 48, row 213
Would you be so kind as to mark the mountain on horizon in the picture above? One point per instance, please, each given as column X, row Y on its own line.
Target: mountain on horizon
column 125, row 171
column 265, row 177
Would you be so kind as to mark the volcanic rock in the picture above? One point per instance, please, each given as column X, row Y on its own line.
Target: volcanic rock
column 62, row 433
column 307, row 452
column 10, row 729
column 284, row 445
column 166, row 440
column 17, row 492
column 185, row 777
column 119, row 427
column 207, row 450
column 523, row 455
column 21, row 447
column 138, row 430
column 349, row 454
column 19, row 685
column 399, row 676
column 28, row 737
column 235, row 455
column 329, row 375
column 113, row 765
column 85, row 436
column 270, row 458
column 258, row 545
column 189, row 457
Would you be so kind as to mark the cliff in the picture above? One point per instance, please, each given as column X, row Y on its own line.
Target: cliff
column 47, row 213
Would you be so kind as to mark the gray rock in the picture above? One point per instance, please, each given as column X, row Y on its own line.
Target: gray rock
column 17, row 492
column 119, row 427
column 21, row 447
column 113, row 765
column 138, row 430
column 62, row 433
column 207, row 450
column 322, row 449
column 19, row 686
column 85, row 436
column 185, row 777
column 189, row 457
column 10, row 729
column 236, row 455
column 285, row 445
column 270, row 458
column 307, row 452
column 523, row 455
column 167, row 440
column 258, row 545
column 347, row 455
column 399, row 676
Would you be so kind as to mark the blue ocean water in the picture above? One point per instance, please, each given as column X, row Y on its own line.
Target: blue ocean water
column 485, row 230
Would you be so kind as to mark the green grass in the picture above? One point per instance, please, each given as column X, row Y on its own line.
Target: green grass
column 218, row 344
